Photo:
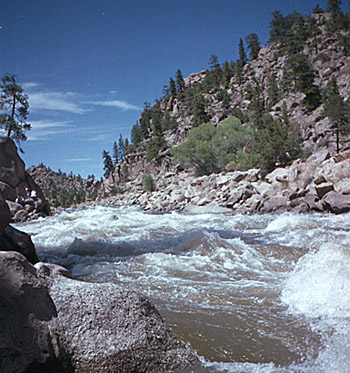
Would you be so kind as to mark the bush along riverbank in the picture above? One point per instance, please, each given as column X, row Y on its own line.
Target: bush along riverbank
column 318, row 183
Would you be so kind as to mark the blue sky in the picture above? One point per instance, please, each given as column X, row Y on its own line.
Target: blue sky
column 88, row 66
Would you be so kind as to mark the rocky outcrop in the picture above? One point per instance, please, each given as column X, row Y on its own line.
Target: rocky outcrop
column 319, row 183
column 14, row 240
column 11, row 165
column 13, row 183
column 26, row 308
column 51, row 323
column 62, row 189
column 106, row 328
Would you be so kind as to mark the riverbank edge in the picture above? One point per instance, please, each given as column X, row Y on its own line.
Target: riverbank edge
column 320, row 183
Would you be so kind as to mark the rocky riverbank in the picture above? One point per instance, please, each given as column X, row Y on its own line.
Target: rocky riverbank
column 320, row 183
column 52, row 323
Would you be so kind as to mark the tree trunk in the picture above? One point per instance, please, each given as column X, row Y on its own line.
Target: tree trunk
column 12, row 116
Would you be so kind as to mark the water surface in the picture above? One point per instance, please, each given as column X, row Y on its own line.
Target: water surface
column 250, row 293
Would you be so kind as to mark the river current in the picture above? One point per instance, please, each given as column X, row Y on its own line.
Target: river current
column 249, row 293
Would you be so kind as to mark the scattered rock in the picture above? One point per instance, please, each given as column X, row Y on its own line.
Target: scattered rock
column 324, row 188
column 336, row 203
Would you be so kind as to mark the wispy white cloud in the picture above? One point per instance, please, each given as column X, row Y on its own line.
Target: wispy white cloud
column 30, row 85
column 44, row 130
column 71, row 102
column 80, row 160
column 56, row 101
column 121, row 104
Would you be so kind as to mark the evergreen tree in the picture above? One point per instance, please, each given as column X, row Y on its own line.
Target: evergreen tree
column 239, row 72
column 334, row 7
column 136, row 135
column 227, row 74
column 242, row 54
column 179, row 81
column 126, row 146
column 198, row 110
column 172, row 87
column 272, row 91
column 14, row 105
column 279, row 27
column 116, row 158
column 317, row 9
column 335, row 108
column 121, row 148
column 107, row 164
column 214, row 62
column 253, row 45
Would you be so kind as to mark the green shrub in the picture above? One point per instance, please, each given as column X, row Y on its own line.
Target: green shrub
column 148, row 183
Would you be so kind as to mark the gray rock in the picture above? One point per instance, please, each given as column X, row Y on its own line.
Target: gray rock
column 15, row 240
column 26, row 343
column 323, row 188
column 7, row 191
column 276, row 203
column 11, row 165
column 106, row 328
column 14, row 207
column 336, row 203
column 20, row 216
column 5, row 216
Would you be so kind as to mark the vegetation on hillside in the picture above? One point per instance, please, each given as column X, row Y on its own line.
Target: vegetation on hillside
column 250, row 136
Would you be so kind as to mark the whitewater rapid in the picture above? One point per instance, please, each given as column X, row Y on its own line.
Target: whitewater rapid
column 250, row 293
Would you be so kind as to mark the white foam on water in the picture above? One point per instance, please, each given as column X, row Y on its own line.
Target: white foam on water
column 201, row 261
column 319, row 289
column 319, row 286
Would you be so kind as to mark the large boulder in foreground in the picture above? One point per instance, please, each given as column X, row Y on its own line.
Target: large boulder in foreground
column 14, row 240
column 26, row 343
column 51, row 323
column 11, row 165
column 105, row 328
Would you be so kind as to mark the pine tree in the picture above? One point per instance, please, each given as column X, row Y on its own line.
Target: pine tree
column 107, row 164
column 272, row 91
column 14, row 105
column 335, row 108
column 242, row 54
column 214, row 62
column 227, row 74
column 278, row 27
column 198, row 110
column 121, row 148
column 180, row 83
column 116, row 158
column 136, row 135
column 172, row 87
column 334, row 7
column 253, row 45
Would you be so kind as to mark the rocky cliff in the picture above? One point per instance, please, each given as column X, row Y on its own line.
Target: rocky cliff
column 328, row 58
column 62, row 189
column 16, row 183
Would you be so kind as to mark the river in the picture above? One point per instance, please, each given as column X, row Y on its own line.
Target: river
column 250, row 293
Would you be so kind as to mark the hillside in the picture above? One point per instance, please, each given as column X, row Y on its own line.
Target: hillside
column 61, row 189
column 275, row 108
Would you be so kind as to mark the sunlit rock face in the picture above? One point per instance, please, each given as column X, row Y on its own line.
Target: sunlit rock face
column 15, row 183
